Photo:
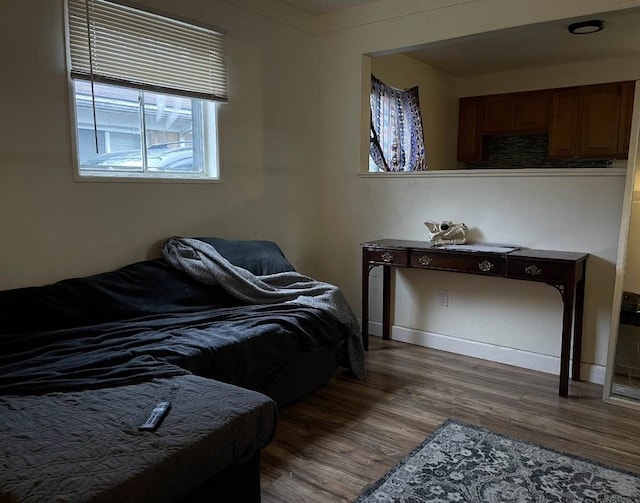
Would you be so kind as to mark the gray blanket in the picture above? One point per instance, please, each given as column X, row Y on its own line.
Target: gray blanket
column 201, row 261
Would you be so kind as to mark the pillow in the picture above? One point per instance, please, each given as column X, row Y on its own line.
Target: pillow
column 258, row 257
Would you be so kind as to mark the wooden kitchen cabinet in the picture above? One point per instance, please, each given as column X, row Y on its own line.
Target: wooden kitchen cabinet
column 599, row 120
column 591, row 122
column 516, row 113
column 480, row 117
column 563, row 122
column 531, row 112
column 498, row 113
column 626, row 112
column 470, row 141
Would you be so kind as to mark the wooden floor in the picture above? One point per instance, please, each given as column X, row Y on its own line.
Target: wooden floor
column 346, row 435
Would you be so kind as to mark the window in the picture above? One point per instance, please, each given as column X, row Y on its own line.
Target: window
column 145, row 92
column 142, row 133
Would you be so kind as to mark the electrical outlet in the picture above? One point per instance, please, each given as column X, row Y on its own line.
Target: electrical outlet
column 443, row 296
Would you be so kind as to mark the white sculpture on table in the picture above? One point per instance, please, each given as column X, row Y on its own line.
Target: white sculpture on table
column 447, row 232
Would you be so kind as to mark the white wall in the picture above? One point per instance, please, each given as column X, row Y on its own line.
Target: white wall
column 53, row 227
column 548, row 77
column 578, row 211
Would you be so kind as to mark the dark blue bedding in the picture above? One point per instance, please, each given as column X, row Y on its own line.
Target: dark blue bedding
column 148, row 320
column 243, row 345
column 139, row 289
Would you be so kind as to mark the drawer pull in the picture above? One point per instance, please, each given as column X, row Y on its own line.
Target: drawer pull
column 387, row 257
column 424, row 259
column 533, row 270
column 485, row 266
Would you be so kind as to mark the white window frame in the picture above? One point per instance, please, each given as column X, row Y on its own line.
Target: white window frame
column 211, row 92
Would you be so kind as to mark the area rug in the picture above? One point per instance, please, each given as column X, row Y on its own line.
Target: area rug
column 464, row 463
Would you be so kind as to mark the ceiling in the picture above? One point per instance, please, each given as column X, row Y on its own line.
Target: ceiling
column 319, row 7
column 536, row 45
column 541, row 44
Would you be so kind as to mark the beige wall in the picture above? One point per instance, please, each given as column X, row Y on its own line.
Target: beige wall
column 579, row 210
column 53, row 227
column 548, row 77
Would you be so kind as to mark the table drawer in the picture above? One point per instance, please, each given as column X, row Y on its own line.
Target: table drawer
column 388, row 256
column 538, row 270
column 475, row 264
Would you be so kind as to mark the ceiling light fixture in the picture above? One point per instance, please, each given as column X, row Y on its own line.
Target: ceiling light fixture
column 586, row 27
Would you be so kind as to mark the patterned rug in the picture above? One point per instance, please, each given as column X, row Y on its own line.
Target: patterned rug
column 463, row 463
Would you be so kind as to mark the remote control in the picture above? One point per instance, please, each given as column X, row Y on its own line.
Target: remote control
column 156, row 416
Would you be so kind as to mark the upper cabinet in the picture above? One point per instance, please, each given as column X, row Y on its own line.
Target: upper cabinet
column 470, row 137
column 591, row 121
column 498, row 113
column 531, row 112
column 564, row 113
column 515, row 113
column 626, row 112
column 600, row 117
column 600, row 120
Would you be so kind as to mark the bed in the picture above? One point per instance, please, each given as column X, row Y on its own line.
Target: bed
column 86, row 446
column 227, row 331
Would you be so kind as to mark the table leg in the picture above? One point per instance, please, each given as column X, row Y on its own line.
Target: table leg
column 567, row 322
column 365, row 300
column 577, row 329
column 386, row 302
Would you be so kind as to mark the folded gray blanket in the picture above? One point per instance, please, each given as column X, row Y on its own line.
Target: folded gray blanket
column 202, row 262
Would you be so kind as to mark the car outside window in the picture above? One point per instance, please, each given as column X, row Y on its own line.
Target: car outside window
column 141, row 133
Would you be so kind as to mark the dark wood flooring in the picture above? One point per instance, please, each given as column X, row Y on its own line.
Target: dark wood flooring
column 330, row 445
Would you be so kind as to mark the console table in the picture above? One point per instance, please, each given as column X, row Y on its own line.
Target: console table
column 565, row 271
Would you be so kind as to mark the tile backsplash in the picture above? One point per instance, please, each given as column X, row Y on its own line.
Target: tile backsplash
column 529, row 151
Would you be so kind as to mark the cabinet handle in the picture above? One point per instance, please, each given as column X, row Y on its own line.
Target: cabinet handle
column 424, row 259
column 485, row 266
column 387, row 257
column 533, row 270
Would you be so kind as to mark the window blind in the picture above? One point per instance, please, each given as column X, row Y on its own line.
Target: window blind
column 116, row 44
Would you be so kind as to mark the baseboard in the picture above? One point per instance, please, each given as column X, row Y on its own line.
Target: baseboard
column 509, row 356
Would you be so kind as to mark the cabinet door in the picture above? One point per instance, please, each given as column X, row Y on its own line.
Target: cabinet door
column 563, row 122
column 469, row 136
column 531, row 112
column 499, row 113
column 626, row 111
column 599, row 120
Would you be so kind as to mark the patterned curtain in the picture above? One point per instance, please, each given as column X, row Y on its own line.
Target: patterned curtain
column 396, row 139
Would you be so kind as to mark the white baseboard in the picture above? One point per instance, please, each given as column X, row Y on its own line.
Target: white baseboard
column 501, row 354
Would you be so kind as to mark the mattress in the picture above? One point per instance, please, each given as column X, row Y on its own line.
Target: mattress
column 86, row 446
column 148, row 320
column 247, row 346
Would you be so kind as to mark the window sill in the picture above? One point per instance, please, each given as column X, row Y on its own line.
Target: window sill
column 119, row 178
column 489, row 173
